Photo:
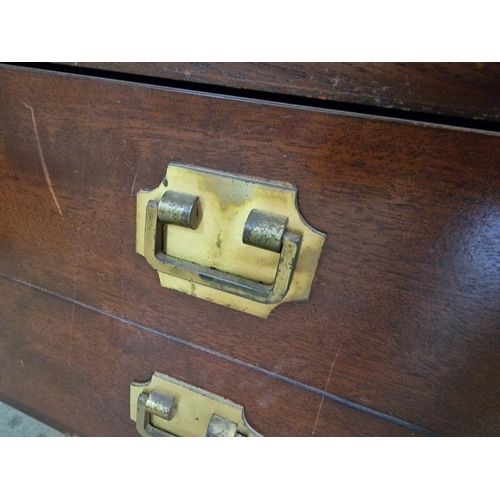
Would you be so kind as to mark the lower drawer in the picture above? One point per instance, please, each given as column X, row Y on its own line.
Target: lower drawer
column 73, row 366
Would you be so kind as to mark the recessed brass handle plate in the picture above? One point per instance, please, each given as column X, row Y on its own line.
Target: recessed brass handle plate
column 233, row 240
column 167, row 407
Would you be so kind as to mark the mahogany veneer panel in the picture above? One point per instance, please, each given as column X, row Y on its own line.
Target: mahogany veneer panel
column 74, row 366
column 404, row 313
column 466, row 90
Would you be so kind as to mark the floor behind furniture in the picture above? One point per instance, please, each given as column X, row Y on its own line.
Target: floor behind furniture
column 15, row 423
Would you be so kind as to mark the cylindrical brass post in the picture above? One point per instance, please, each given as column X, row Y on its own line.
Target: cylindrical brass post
column 265, row 230
column 160, row 404
column 181, row 209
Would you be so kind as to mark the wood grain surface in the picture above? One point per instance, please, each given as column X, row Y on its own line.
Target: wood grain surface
column 466, row 90
column 404, row 313
column 74, row 366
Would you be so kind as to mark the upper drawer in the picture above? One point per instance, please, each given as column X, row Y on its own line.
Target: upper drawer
column 404, row 312
column 466, row 90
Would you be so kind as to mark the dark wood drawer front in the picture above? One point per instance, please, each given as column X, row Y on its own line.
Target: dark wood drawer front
column 404, row 312
column 74, row 366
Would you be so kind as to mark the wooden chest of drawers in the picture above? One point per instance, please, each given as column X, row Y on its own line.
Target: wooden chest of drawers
column 400, row 335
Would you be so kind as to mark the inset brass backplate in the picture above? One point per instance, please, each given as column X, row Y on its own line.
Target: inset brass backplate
column 236, row 241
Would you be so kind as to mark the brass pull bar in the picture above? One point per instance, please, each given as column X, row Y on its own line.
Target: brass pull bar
column 262, row 229
column 167, row 407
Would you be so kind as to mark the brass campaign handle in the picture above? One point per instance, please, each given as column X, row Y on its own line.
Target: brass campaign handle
column 262, row 229
column 168, row 407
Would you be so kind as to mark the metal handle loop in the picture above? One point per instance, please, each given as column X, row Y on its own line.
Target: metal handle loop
column 262, row 229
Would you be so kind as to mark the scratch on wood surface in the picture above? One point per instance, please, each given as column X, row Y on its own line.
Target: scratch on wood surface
column 324, row 390
column 42, row 158
column 133, row 185
column 71, row 335
column 70, row 346
column 75, row 284
column 121, row 150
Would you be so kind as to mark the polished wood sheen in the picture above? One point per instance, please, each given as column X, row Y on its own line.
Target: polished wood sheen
column 404, row 312
column 466, row 90
column 74, row 366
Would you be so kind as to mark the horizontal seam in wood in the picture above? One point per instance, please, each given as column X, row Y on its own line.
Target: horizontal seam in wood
column 276, row 376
